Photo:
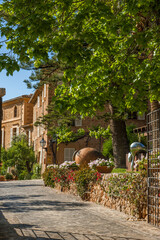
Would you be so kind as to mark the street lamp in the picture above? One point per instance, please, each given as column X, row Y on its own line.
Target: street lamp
column 42, row 142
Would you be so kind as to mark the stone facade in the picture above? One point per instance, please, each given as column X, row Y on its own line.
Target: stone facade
column 20, row 114
column 17, row 113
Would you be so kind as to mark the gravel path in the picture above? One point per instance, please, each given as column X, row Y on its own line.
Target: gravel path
column 28, row 210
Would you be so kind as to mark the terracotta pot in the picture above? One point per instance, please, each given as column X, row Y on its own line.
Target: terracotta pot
column 104, row 169
column 86, row 155
column 2, row 178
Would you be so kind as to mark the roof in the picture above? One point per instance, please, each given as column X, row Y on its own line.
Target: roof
column 34, row 96
column 18, row 98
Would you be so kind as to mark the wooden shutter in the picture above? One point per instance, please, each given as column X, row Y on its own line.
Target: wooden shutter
column 68, row 153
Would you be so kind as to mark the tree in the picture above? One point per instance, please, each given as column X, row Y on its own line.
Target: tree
column 21, row 156
column 111, row 49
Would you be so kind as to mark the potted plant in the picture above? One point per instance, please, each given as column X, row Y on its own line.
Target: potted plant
column 102, row 165
column 69, row 165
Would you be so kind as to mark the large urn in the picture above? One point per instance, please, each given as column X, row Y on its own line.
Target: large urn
column 86, row 155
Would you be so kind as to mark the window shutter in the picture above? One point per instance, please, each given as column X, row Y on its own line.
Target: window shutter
column 40, row 159
column 44, row 90
column 68, row 153
column 11, row 135
column 29, row 138
column 78, row 122
column 38, row 101
column 3, row 137
column 42, row 96
column 17, row 131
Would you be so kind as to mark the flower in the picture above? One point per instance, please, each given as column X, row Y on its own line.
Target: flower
column 101, row 162
column 69, row 165
column 52, row 166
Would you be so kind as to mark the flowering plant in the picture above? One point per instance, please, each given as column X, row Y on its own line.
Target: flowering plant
column 101, row 162
column 69, row 165
column 140, row 164
column 52, row 166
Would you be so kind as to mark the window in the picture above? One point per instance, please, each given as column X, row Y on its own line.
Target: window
column 132, row 115
column 141, row 116
column 15, row 111
column 78, row 122
column 38, row 101
column 68, row 153
column 14, row 131
column 44, row 90
column 3, row 135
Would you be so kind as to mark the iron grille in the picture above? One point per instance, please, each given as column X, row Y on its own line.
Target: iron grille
column 153, row 130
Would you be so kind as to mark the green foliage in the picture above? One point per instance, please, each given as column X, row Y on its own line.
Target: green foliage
column 21, row 156
column 132, row 137
column 36, row 172
column 107, row 148
column 48, row 176
column 107, row 47
column 9, row 176
column 85, row 178
column 4, row 161
column 62, row 176
column 131, row 187
column 65, row 134
column 99, row 132
column 119, row 170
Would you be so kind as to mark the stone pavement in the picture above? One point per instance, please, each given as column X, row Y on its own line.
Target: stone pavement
column 28, row 210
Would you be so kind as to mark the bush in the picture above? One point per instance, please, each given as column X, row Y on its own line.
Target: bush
column 9, row 176
column 20, row 155
column 85, row 178
column 24, row 175
column 131, row 187
column 107, row 148
column 36, row 171
column 48, row 177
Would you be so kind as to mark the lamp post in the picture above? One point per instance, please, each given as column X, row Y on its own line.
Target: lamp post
column 53, row 145
column 2, row 93
column 42, row 143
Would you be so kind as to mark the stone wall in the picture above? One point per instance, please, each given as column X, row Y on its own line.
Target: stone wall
column 99, row 195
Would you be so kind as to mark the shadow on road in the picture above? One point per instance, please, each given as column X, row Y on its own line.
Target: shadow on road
column 6, row 230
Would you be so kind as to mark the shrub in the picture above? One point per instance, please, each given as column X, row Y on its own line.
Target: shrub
column 21, row 155
column 131, row 187
column 85, row 178
column 36, row 171
column 9, row 176
column 48, row 177
column 107, row 148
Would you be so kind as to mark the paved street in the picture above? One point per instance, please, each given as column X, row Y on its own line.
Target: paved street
column 28, row 210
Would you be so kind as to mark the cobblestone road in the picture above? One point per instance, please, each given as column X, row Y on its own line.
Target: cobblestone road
column 28, row 210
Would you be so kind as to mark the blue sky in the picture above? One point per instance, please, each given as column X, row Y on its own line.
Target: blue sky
column 14, row 84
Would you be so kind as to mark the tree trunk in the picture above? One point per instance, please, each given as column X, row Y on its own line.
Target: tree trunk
column 119, row 141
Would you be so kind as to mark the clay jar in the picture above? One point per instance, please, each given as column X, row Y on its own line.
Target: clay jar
column 86, row 155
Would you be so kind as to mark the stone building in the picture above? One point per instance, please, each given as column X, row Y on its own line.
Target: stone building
column 17, row 118
column 21, row 113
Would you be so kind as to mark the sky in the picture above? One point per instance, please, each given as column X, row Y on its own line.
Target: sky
column 14, row 85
